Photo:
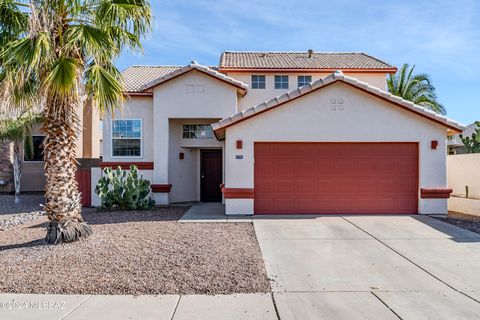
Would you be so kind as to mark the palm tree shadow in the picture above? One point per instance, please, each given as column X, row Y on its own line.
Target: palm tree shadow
column 30, row 244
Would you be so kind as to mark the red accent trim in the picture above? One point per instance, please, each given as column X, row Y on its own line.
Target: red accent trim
column 238, row 193
column 83, row 176
column 126, row 165
column 319, row 88
column 244, row 91
column 317, row 70
column 164, row 188
column 441, row 193
column 434, row 144
column 239, row 144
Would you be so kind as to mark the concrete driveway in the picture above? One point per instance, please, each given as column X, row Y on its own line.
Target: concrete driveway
column 370, row 267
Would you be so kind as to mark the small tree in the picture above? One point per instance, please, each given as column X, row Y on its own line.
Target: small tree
column 16, row 130
column 472, row 144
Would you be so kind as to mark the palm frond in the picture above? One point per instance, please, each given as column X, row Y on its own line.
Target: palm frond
column 417, row 88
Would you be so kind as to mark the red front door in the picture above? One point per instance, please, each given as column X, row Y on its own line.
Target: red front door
column 334, row 178
column 211, row 175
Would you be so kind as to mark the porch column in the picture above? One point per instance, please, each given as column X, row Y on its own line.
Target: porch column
column 160, row 185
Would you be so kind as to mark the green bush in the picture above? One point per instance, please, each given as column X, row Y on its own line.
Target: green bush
column 123, row 189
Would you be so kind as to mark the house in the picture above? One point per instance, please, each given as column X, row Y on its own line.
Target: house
column 33, row 173
column 454, row 142
column 281, row 132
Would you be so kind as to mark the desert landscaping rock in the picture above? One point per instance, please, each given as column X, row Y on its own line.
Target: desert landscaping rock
column 145, row 252
column 465, row 221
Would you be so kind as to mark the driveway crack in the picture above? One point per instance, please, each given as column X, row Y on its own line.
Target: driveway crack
column 386, row 305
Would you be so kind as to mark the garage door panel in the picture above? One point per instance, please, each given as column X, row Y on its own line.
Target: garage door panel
column 336, row 177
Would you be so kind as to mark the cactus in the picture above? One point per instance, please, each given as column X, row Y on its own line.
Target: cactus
column 472, row 144
column 124, row 189
column 467, row 190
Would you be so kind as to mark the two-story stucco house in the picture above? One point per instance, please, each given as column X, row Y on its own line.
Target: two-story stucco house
column 281, row 132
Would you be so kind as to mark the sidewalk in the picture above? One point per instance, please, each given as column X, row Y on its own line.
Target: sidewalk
column 171, row 307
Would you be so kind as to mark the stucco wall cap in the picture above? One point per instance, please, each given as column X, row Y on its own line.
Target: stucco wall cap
column 282, row 98
column 293, row 94
column 248, row 112
column 271, row 102
column 305, row 88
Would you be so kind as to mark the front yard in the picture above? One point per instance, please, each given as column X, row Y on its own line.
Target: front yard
column 144, row 252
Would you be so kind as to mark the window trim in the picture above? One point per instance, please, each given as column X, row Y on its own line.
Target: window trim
column 282, row 76
column 111, row 139
column 198, row 124
column 23, row 149
column 264, row 82
column 303, row 75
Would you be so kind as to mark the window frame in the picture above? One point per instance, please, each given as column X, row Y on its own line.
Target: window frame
column 141, row 138
column 23, row 151
column 281, row 82
column 264, row 81
column 298, row 80
column 197, row 124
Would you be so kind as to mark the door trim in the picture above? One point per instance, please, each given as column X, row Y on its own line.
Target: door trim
column 201, row 153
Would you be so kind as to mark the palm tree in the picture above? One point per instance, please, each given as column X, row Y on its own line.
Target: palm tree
column 18, row 130
column 61, row 52
column 417, row 88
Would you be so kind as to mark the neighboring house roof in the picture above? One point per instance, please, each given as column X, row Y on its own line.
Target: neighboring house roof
column 242, row 87
column 313, row 61
column 135, row 77
column 219, row 127
column 455, row 139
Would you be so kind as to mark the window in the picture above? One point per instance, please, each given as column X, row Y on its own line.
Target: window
column 36, row 153
column 127, row 138
column 258, row 82
column 197, row 131
column 281, row 82
column 304, row 80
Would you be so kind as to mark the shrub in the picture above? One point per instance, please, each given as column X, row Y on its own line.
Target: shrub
column 123, row 189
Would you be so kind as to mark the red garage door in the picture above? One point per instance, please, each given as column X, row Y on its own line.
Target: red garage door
column 336, row 178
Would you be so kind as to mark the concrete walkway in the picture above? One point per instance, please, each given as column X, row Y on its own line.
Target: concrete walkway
column 167, row 307
column 370, row 267
column 201, row 212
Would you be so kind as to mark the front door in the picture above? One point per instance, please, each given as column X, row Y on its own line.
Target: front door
column 211, row 175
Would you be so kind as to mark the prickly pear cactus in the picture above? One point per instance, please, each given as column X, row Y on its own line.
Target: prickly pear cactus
column 472, row 144
column 124, row 189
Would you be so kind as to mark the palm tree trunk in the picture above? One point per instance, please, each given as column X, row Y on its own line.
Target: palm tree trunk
column 63, row 200
column 17, row 170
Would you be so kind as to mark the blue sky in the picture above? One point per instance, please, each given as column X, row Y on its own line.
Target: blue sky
column 442, row 37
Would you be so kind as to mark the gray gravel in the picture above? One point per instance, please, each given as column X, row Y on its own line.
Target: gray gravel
column 462, row 220
column 12, row 214
column 135, row 253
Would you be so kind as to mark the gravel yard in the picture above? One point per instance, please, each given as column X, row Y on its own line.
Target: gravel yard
column 135, row 253
column 462, row 220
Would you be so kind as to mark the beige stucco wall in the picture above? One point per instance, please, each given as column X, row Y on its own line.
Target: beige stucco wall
column 311, row 119
column 134, row 108
column 256, row 96
column 184, row 174
column 211, row 99
column 464, row 170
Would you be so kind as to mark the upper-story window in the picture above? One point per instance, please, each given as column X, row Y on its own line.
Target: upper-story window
column 281, row 82
column 127, row 138
column 304, row 80
column 197, row 131
column 258, row 82
column 36, row 150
